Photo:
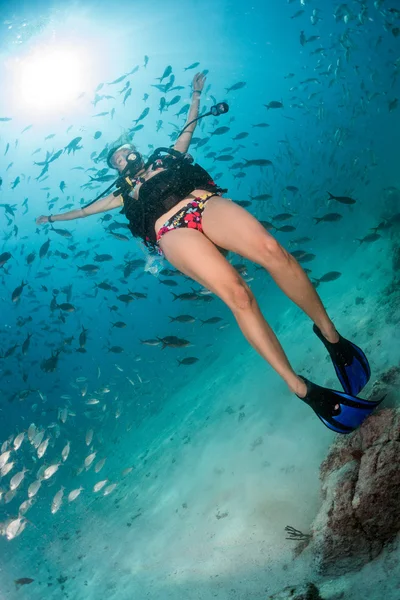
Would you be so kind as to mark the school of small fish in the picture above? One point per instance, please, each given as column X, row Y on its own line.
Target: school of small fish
column 52, row 315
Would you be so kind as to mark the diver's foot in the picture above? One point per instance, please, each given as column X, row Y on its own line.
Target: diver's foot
column 351, row 364
column 301, row 391
column 339, row 411
column 299, row 388
column 331, row 335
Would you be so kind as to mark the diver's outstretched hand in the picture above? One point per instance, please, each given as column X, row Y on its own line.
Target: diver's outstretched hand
column 198, row 82
column 42, row 219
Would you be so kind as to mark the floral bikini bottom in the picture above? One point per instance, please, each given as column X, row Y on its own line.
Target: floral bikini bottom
column 189, row 216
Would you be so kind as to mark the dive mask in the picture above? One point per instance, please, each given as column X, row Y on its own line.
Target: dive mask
column 132, row 156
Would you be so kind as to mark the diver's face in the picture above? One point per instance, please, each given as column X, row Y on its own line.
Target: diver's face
column 119, row 160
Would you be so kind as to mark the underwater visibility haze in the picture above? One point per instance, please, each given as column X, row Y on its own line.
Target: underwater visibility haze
column 147, row 450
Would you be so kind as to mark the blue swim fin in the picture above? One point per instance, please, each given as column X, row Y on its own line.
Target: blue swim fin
column 349, row 415
column 351, row 364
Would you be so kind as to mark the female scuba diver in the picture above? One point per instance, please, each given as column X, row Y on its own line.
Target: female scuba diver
column 177, row 209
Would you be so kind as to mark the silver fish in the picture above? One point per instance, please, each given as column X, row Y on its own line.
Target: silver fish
column 65, row 451
column 57, row 500
column 49, row 472
column 17, row 479
column 34, row 488
column 109, row 489
column 99, row 465
column 15, row 528
column 4, row 458
column 99, row 485
column 89, row 459
column 18, row 440
column 89, row 437
column 74, row 494
column 42, row 448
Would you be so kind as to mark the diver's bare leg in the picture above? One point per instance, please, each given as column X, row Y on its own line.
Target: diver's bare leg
column 192, row 253
column 232, row 227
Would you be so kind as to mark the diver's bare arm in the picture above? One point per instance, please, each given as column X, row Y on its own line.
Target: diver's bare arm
column 184, row 140
column 103, row 205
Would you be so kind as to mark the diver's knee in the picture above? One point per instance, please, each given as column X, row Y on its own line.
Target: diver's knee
column 240, row 296
column 272, row 251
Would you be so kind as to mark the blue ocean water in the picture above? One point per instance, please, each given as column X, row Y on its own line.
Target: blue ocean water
column 183, row 476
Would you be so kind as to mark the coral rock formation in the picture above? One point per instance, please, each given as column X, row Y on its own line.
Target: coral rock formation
column 361, row 496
